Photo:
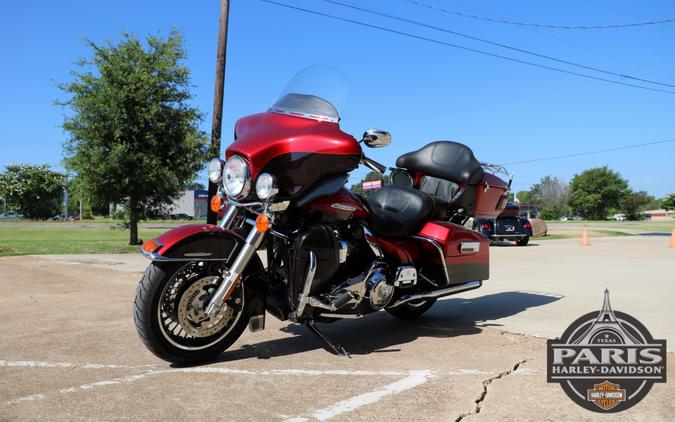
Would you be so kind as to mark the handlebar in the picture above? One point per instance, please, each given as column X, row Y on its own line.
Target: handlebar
column 373, row 165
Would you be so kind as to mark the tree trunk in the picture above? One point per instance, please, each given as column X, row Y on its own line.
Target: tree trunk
column 133, row 224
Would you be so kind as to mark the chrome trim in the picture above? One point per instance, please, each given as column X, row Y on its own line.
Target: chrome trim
column 304, row 115
column 247, row 251
column 405, row 275
column 343, row 207
column 341, row 316
column 309, row 279
column 469, row 247
column 435, row 294
column 440, row 252
column 372, row 242
column 159, row 258
column 198, row 254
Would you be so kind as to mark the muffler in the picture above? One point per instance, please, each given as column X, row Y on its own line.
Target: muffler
column 435, row 294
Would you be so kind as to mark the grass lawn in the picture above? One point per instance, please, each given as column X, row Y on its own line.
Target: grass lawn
column 591, row 233
column 651, row 226
column 59, row 239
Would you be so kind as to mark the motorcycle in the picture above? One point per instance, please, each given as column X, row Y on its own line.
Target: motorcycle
column 329, row 253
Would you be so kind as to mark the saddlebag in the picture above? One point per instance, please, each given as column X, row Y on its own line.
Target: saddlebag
column 466, row 253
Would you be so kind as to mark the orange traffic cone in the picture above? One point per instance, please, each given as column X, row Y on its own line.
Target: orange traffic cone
column 584, row 238
column 672, row 239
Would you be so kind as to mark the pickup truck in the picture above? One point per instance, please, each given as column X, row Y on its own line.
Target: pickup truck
column 507, row 226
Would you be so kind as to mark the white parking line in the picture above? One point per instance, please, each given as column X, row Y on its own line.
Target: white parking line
column 39, row 364
column 413, row 380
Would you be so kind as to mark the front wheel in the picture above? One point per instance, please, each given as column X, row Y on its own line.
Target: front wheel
column 412, row 309
column 169, row 312
column 523, row 241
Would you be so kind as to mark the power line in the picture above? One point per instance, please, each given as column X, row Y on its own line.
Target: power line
column 536, row 25
column 483, row 40
column 435, row 41
column 557, row 157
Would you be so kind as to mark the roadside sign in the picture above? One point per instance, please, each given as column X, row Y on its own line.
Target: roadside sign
column 372, row 184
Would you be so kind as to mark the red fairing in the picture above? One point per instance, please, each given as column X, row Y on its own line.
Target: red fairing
column 173, row 236
column 264, row 136
column 342, row 205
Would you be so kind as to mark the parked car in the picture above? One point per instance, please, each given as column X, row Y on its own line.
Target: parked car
column 507, row 226
column 531, row 213
column 180, row 216
column 77, row 218
column 8, row 216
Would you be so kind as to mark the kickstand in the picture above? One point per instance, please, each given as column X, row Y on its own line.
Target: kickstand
column 334, row 347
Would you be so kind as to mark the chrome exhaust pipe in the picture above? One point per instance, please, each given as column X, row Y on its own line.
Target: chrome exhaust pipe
column 435, row 294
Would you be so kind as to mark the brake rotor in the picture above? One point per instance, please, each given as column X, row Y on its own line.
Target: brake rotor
column 191, row 309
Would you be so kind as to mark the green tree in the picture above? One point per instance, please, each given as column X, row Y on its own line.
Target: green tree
column 357, row 188
column 633, row 203
column 34, row 191
column 550, row 196
column 133, row 136
column 595, row 191
column 668, row 203
column 524, row 197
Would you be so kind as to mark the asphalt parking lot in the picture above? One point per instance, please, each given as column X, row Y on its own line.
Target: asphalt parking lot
column 69, row 349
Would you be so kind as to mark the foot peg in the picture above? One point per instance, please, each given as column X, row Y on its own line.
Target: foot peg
column 332, row 347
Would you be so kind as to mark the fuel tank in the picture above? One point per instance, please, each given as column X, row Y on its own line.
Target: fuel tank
column 298, row 151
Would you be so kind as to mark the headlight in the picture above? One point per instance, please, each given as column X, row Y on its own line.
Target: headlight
column 266, row 186
column 236, row 179
column 215, row 170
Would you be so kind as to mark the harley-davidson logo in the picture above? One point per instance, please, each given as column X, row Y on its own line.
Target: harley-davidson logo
column 606, row 395
column 606, row 361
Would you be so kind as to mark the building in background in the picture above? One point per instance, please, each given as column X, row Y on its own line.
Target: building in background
column 191, row 205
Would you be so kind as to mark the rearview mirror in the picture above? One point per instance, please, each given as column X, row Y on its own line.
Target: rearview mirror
column 374, row 138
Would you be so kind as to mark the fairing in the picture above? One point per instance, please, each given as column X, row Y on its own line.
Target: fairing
column 297, row 151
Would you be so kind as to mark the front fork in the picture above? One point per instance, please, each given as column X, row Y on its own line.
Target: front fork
column 233, row 274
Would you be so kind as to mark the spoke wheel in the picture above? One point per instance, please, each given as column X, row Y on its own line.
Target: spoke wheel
column 181, row 314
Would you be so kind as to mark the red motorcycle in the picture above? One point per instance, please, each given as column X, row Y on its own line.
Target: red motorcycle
column 329, row 254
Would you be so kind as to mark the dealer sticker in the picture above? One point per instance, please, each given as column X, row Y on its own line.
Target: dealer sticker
column 606, row 361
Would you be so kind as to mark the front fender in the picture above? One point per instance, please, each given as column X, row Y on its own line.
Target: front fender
column 208, row 242
column 193, row 242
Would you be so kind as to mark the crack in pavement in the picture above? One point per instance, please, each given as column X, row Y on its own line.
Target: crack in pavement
column 483, row 394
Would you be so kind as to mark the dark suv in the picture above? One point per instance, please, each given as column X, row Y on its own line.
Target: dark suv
column 507, row 226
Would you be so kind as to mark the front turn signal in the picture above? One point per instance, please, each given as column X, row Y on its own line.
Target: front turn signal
column 216, row 203
column 262, row 223
column 150, row 246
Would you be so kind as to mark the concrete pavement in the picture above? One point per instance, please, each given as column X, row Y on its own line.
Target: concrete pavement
column 69, row 349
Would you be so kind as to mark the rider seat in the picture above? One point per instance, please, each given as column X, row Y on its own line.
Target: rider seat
column 397, row 211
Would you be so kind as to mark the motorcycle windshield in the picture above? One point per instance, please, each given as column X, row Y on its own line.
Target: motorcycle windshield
column 316, row 92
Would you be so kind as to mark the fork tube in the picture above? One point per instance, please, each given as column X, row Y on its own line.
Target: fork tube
column 228, row 218
column 232, row 275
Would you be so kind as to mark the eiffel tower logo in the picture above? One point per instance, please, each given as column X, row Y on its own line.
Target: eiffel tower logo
column 606, row 329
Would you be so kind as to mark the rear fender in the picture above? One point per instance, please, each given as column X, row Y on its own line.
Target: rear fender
column 208, row 242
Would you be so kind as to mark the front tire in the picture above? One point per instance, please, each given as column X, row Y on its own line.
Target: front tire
column 523, row 241
column 411, row 310
column 169, row 317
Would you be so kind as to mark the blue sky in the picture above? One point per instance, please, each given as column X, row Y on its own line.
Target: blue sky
column 418, row 91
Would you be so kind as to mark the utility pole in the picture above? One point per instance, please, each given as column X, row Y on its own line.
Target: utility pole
column 216, row 127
